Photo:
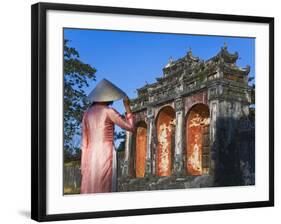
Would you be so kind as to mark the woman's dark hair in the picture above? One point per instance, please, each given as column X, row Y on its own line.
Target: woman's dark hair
column 107, row 103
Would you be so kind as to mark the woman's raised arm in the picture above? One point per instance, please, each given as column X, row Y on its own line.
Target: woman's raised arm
column 127, row 124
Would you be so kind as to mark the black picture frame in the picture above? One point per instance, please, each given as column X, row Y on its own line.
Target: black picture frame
column 39, row 114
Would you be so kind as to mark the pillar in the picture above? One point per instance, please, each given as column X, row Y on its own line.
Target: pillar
column 149, row 147
column 179, row 139
column 128, row 146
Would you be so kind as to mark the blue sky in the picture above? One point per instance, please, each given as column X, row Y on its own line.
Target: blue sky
column 130, row 59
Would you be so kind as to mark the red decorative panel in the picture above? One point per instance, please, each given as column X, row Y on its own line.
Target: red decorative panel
column 165, row 133
column 141, row 150
column 198, row 118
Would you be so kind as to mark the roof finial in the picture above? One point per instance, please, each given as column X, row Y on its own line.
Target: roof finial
column 170, row 62
column 170, row 59
column 189, row 51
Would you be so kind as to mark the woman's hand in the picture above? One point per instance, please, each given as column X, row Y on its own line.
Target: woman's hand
column 126, row 102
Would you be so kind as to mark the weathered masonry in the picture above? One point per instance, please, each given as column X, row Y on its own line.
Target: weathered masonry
column 193, row 128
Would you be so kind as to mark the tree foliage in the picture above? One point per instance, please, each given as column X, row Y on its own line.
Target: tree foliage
column 121, row 136
column 77, row 76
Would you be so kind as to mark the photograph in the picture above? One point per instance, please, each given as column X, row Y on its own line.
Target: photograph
column 150, row 111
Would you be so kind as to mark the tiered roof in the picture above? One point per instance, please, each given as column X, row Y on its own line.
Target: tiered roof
column 190, row 69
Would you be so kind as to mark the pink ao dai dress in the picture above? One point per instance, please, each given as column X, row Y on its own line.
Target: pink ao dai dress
column 97, row 161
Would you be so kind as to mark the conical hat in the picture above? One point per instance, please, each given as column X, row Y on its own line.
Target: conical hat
column 105, row 91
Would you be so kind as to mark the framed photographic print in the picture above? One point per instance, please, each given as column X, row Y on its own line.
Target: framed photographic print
column 140, row 111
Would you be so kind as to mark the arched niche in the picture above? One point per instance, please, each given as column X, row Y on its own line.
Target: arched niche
column 197, row 140
column 165, row 140
column 140, row 149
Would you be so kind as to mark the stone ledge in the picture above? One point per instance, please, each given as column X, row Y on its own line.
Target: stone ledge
column 165, row 183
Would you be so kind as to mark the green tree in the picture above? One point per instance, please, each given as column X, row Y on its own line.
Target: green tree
column 77, row 76
column 121, row 136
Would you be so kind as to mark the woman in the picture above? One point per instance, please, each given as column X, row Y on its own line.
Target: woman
column 97, row 161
